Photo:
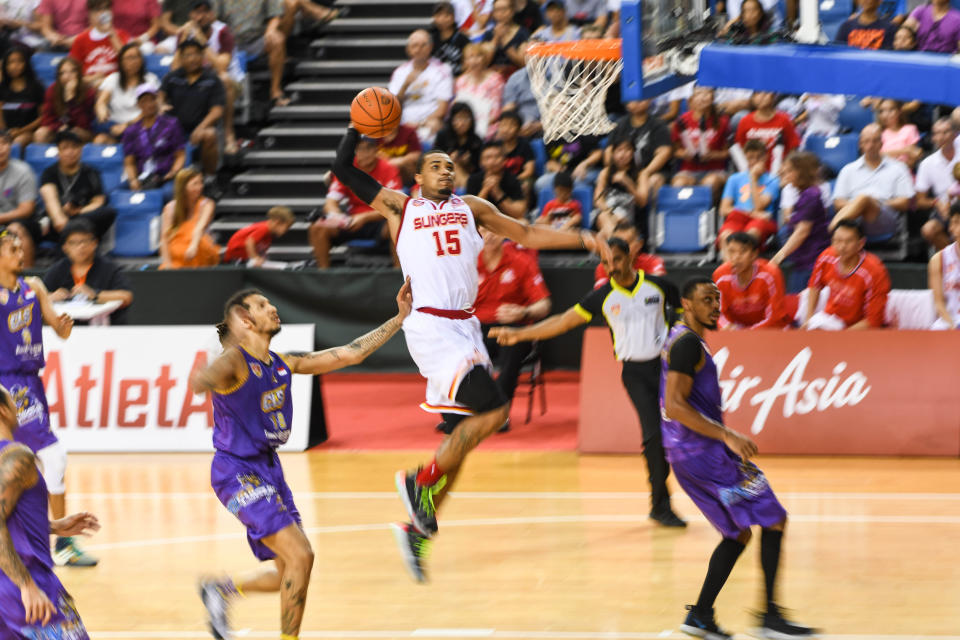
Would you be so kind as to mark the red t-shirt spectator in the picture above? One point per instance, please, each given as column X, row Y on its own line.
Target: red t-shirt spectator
column 686, row 132
column 97, row 56
column 860, row 294
column 778, row 128
column 406, row 141
column 384, row 173
column 259, row 232
column 135, row 17
column 759, row 305
column 646, row 262
column 556, row 212
column 77, row 113
column 515, row 280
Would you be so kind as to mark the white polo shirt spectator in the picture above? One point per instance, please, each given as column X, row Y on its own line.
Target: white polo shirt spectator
column 890, row 179
column 936, row 173
column 433, row 85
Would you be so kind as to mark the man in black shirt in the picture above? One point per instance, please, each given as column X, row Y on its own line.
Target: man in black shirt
column 448, row 41
column 71, row 189
column 651, row 139
column 196, row 98
column 82, row 273
column 495, row 184
column 639, row 309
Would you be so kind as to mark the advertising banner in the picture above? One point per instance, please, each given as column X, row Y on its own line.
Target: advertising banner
column 125, row 388
column 817, row 392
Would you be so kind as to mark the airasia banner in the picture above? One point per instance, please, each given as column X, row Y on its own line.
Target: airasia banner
column 820, row 392
column 125, row 388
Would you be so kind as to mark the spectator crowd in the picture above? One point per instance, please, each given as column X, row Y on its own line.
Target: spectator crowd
column 780, row 200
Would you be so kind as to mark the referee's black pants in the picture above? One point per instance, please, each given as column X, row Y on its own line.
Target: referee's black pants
column 642, row 382
column 508, row 359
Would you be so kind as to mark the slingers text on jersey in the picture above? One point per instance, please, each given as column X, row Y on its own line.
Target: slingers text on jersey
column 438, row 244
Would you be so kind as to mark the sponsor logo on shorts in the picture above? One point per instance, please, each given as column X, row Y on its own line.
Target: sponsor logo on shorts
column 70, row 628
column 750, row 487
column 252, row 489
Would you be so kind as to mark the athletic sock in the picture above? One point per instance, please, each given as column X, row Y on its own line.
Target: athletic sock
column 770, row 541
column 229, row 587
column 285, row 636
column 429, row 475
column 721, row 564
column 62, row 542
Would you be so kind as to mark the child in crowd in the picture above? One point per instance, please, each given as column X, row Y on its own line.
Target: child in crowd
column 250, row 244
column 563, row 212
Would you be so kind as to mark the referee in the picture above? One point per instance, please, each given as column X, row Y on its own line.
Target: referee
column 639, row 310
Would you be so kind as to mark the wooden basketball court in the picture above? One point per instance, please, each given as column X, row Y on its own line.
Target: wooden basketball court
column 538, row 545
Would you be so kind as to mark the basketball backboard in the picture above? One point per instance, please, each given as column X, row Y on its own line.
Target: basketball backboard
column 654, row 35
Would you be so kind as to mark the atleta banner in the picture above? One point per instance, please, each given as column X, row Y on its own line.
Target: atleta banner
column 878, row 392
column 125, row 388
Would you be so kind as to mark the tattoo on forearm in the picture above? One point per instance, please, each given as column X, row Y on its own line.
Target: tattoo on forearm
column 17, row 469
column 370, row 342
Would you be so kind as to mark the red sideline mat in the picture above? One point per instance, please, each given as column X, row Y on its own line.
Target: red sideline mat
column 382, row 412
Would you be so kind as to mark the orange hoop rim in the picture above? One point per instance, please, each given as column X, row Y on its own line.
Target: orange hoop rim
column 606, row 49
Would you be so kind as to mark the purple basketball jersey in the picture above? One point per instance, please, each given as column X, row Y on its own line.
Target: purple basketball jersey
column 29, row 524
column 254, row 417
column 21, row 336
column 679, row 441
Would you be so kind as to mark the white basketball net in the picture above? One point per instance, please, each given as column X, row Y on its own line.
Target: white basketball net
column 571, row 94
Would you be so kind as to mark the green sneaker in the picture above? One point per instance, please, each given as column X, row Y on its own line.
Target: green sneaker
column 419, row 501
column 68, row 554
column 414, row 548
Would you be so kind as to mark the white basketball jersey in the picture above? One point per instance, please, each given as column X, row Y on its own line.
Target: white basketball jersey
column 438, row 245
column 950, row 264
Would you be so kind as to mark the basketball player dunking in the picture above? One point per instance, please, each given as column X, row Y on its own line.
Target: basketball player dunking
column 438, row 243
column 252, row 412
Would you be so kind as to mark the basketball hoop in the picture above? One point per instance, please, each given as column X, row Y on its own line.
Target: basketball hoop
column 570, row 81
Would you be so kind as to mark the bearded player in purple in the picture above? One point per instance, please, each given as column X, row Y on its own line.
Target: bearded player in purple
column 33, row 603
column 711, row 463
column 24, row 307
column 252, row 411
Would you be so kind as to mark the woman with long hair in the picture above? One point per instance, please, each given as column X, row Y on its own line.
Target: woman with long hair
column 21, row 96
column 481, row 87
column 621, row 189
column 752, row 27
column 183, row 240
column 68, row 104
column 116, row 104
column 459, row 139
column 700, row 143
column 807, row 224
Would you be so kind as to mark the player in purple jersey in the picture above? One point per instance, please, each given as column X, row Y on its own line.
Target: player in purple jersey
column 252, row 411
column 33, row 603
column 711, row 463
column 25, row 305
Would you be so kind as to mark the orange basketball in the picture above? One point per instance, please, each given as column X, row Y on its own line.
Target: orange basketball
column 375, row 112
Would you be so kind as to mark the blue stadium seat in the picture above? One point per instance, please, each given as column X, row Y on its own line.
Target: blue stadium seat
column 111, row 178
column 832, row 14
column 684, row 221
column 835, row 151
column 15, row 151
column 148, row 202
column 103, row 157
column 45, row 66
column 539, row 155
column 40, row 156
column 855, row 117
column 159, row 64
column 136, row 235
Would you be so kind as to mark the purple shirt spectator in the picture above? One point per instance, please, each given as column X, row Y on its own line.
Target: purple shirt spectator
column 809, row 208
column 940, row 36
column 156, row 145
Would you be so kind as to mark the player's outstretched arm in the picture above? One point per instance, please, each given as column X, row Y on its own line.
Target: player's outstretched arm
column 62, row 323
column 550, row 327
column 18, row 472
column 534, row 236
column 357, row 351
column 388, row 202
column 76, row 524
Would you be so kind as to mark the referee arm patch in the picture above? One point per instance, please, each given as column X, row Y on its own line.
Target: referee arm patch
column 583, row 313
